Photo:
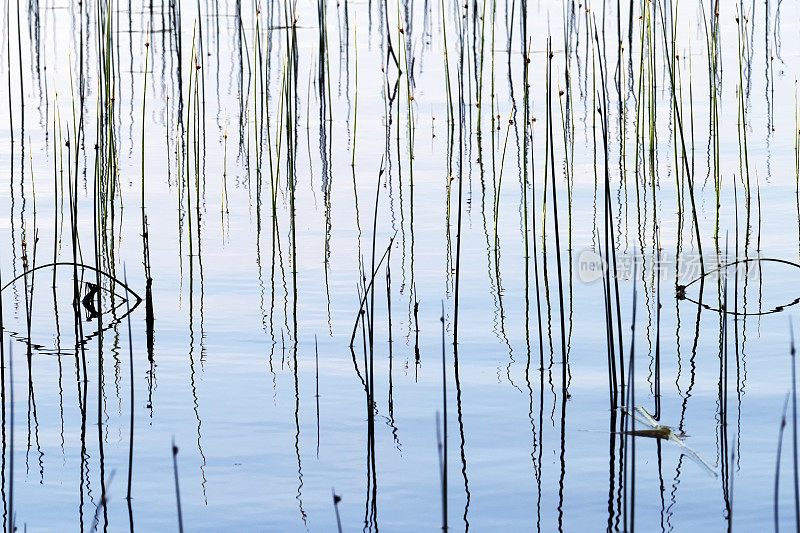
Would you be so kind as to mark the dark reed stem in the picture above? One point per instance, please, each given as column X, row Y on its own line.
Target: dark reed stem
column 11, row 523
column 564, row 356
column 336, row 500
column 794, row 432
column 632, row 405
column 177, row 485
column 444, row 427
column 130, row 366
column 778, row 461
column 316, row 385
column 684, row 157
column 610, row 245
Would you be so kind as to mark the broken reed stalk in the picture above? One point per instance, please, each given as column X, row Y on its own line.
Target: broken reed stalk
column 368, row 289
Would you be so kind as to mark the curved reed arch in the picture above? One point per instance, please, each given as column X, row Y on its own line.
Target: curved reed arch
column 81, row 265
column 39, row 348
column 681, row 289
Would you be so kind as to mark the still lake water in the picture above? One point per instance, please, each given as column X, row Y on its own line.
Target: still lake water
column 414, row 152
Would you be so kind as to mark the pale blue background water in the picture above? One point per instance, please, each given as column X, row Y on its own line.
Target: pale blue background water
column 226, row 386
